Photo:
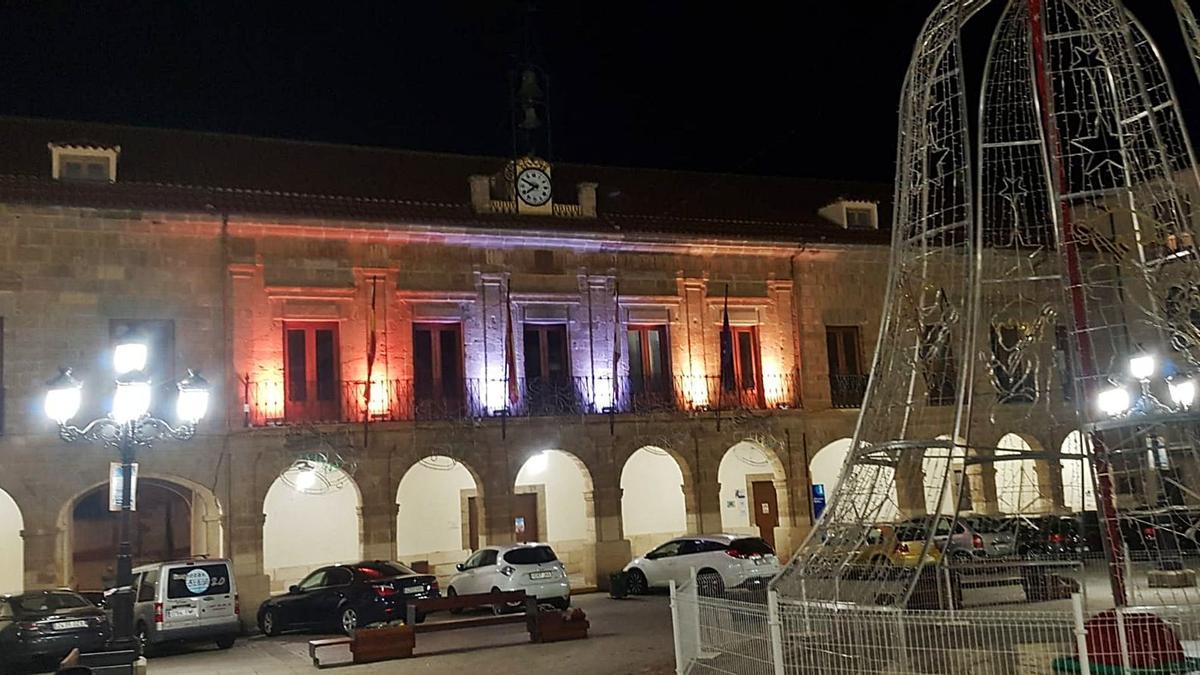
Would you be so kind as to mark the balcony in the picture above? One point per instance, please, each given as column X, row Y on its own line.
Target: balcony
column 847, row 391
column 401, row 401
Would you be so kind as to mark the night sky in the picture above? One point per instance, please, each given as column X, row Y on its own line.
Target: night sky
column 810, row 91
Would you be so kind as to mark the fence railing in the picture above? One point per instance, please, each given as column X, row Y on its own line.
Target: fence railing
column 276, row 402
column 847, row 391
column 730, row 631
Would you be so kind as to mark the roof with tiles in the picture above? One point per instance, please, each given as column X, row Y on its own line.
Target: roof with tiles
column 189, row 171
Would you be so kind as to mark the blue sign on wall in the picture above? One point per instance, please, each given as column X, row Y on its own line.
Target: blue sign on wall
column 818, row 499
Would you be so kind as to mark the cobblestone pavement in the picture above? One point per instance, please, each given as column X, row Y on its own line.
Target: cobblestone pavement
column 627, row 636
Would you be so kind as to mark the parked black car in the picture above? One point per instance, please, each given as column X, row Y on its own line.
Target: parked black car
column 39, row 628
column 346, row 597
column 1160, row 533
column 1047, row 536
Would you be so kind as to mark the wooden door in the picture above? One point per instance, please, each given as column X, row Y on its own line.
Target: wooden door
column 473, row 523
column 766, row 509
column 525, row 517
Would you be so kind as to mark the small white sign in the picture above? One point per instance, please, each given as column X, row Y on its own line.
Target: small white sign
column 197, row 581
column 114, row 487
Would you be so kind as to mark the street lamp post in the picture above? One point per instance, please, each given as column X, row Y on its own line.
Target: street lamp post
column 127, row 427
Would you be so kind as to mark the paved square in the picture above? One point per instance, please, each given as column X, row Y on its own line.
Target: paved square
column 626, row 636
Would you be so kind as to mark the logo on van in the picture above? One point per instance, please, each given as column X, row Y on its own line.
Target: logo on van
column 197, row 581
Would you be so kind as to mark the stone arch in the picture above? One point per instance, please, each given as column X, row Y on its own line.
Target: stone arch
column 12, row 546
column 293, row 520
column 439, row 513
column 651, row 510
column 826, row 466
column 1020, row 485
column 746, row 467
column 1075, row 466
column 557, row 486
column 205, row 522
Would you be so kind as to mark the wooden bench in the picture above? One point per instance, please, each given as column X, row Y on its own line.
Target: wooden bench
column 314, row 645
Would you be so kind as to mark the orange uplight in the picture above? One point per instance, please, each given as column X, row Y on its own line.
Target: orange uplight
column 270, row 399
column 379, row 398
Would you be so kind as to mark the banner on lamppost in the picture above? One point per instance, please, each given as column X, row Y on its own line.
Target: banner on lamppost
column 114, row 486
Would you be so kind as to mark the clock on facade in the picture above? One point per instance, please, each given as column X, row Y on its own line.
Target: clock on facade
column 533, row 187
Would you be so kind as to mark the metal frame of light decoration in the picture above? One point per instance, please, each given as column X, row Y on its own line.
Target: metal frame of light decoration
column 126, row 429
column 1071, row 212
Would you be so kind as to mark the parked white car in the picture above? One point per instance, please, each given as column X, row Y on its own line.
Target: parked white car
column 721, row 561
column 533, row 568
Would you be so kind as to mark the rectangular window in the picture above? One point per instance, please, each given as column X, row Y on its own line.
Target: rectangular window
column 311, row 366
column 548, row 385
column 1012, row 377
column 437, row 369
column 1062, row 362
column 937, row 363
column 747, row 375
column 649, row 365
column 159, row 337
column 75, row 167
column 847, row 384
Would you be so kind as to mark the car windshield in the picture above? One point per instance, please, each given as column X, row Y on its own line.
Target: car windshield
column 47, row 603
column 380, row 570
column 751, row 546
column 530, row 555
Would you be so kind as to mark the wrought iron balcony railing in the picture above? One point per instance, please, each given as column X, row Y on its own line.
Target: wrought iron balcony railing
column 268, row 402
column 846, row 391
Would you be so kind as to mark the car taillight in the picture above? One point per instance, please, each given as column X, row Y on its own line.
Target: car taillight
column 1057, row 538
column 158, row 613
column 901, row 547
column 1149, row 532
column 507, row 570
column 433, row 585
column 734, row 553
column 977, row 541
column 385, row 590
column 237, row 604
column 28, row 627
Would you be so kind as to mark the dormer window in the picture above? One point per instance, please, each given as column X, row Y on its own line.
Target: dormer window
column 853, row 215
column 91, row 163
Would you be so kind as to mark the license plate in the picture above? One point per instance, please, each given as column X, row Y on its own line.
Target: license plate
column 176, row 612
column 541, row 575
column 413, row 590
column 68, row 625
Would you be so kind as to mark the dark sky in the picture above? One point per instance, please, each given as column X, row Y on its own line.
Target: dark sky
column 808, row 91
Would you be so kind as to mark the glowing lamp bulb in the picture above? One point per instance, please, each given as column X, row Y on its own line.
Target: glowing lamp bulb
column 1183, row 392
column 131, row 401
column 129, row 357
column 63, row 397
column 1141, row 367
column 192, row 403
column 1113, row 402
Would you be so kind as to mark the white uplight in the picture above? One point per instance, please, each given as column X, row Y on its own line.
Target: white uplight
column 537, row 464
column 1113, row 402
column 131, row 401
column 306, row 477
column 1183, row 392
column 1141, row 367
column 129, row 357
column 63, row 398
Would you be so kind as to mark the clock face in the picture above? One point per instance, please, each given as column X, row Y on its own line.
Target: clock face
column 533, row 187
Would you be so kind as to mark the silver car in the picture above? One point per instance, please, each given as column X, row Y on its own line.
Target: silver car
column 186, row 601
column 533, row 568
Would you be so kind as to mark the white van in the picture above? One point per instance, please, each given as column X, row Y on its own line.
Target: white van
column 186, row 600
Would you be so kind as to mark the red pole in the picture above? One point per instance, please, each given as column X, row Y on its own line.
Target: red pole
column 1083, row 337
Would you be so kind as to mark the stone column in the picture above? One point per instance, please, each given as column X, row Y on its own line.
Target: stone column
column 43, row 568
column 708, row 498
column 612, row 548
column 246, row 553
column 910, row 484
column 377, row 529
column 1050, row 485
column 984, row 497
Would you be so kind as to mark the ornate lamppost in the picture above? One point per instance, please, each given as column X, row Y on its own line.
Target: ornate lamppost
column 127, row 427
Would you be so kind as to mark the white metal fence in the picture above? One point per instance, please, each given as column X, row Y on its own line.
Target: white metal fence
column 755, row 632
